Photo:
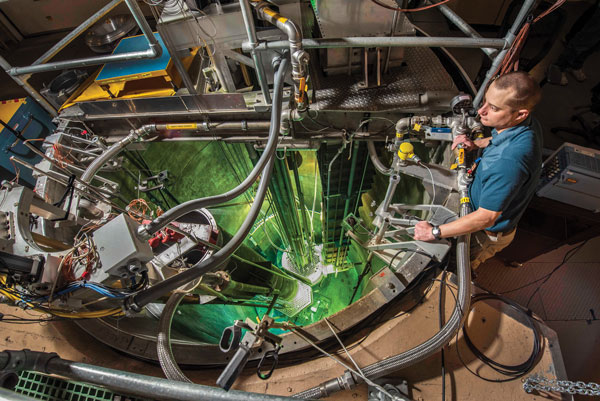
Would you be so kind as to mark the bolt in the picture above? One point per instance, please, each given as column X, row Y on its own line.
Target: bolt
column 289, row 389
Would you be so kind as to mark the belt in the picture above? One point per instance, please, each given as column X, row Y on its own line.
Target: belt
column 499, row 234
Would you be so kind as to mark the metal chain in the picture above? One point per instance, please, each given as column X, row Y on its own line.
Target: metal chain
column 542, row 383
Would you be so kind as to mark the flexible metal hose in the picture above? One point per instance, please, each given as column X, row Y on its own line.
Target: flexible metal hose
column 163, row 341
column 136, row 302
column 88, row 175
column 111, row 152
column 425, row 349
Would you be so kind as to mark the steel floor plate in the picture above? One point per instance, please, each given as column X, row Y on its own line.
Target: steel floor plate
column 422, row 73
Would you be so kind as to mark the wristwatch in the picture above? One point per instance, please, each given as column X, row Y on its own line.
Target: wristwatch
column 437, row 233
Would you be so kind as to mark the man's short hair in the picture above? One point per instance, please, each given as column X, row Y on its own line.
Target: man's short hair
column 525, row 91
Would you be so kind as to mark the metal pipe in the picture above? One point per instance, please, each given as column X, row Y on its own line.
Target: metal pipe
column 509, row 39
column 185, row 77
column 385, row 204
column 240, row 58
column 215, row 125
column 149, row 386
column 79, row 170
column 8, row 395
column 299, row 57
column 379, row 166
column 29, row 89
column 142, row 298
column 253, row 42
column 61, row 178
column 82, row 151
column 82, row 62
column 154, row 51
column 396, row 41
column 54, row 50
column 389, row 50
column 463, row 26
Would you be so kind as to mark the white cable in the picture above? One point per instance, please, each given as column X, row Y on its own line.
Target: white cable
column 366, row 379
column 343, row 346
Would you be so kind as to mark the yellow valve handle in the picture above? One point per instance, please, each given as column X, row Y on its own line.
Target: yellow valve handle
column 461, row 156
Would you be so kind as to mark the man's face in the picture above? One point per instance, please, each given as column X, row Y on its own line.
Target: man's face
column 496, row 112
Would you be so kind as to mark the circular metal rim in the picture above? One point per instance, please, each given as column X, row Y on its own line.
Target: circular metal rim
column 189, row 352
column 125, row 24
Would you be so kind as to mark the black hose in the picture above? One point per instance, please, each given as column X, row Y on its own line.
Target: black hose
column 194, row 204
column 136, row 302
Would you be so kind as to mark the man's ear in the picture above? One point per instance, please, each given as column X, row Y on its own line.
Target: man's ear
column 522, row 114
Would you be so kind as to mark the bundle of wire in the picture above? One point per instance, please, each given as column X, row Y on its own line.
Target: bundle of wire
column 97, row 287
column 511, row 60
column 23, row 300
column 511, row 371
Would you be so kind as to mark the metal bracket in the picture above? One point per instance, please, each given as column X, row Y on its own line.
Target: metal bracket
column 398, row 391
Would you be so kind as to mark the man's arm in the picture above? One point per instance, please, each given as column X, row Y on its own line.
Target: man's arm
column 478, row 220
column 470, row 145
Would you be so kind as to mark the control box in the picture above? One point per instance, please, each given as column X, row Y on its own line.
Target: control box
column 572, row 175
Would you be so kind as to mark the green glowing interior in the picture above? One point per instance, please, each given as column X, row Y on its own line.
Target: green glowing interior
column 198, row 169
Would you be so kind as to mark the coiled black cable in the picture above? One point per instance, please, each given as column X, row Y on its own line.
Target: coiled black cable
column 513, row 371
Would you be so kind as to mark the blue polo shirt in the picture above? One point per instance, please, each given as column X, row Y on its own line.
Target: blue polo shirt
column 508, row 173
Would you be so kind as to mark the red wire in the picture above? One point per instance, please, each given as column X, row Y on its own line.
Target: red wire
column 409, row 10
column 511, row 61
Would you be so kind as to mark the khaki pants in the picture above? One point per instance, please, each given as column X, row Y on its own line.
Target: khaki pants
column 484, row 245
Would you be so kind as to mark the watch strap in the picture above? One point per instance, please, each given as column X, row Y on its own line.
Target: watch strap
column 437, row 234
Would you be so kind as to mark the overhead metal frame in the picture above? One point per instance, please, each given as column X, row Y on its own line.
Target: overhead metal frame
column 41, row 64
column 474, row 41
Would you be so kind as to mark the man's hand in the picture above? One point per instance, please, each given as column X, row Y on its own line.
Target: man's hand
column 423, row 231
column 468, row 144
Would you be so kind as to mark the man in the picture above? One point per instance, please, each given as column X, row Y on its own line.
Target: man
column 507, row 175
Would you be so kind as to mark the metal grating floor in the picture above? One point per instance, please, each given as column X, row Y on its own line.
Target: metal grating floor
column 572, row 293
column 48, row 388
column 422, row 73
